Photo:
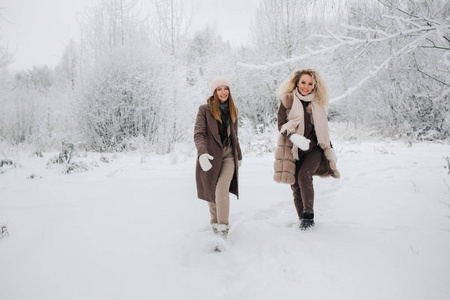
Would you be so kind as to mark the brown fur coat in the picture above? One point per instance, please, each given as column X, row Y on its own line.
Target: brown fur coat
column 284, row 165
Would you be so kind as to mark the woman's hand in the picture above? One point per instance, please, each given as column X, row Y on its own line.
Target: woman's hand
column 333, row 154
column 300, row 141
column 204, row 161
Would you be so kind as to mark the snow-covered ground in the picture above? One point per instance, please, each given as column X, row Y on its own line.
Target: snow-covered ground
column 134, row 229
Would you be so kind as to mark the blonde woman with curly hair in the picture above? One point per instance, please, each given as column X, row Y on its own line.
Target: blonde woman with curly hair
column 304, row 148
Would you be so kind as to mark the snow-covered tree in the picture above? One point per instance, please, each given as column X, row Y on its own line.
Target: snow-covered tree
column 109, row 25
column 279, row 27
column 400, row 82
column 171, row 23
column 123, row 99
column 5, row 55
column 5, row 59
column 34, row 111
column 68, row 72
column 281, row 37
column 378, row 57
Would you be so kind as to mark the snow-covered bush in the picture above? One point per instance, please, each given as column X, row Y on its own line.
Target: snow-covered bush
column 76, row 167
column 65, row 156
column 3, row 231
column 35, row 111
column 65, row 159
column 257, row 139
column 123, row 98
column 6, row 162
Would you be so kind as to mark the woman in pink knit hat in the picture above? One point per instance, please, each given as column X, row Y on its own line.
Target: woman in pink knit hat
column 218, row 154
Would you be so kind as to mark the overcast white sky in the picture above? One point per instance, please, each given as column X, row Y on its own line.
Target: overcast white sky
column 37, row 31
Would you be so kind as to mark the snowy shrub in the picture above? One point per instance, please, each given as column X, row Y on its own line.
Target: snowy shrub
column 255, row 95
column 38, row 154
column 407, row 112
column 3, row 231
column 123, row 99
column 76, row 167
column 105, row 159
column 257, row 139
column 34, row 176
column 66, row 154
column 34, row 110
column 65, row 158
column 6, row 162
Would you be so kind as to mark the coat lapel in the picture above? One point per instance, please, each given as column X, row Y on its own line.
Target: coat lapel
column 212, row 123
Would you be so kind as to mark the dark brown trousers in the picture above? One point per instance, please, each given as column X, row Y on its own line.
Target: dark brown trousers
column 303, row 189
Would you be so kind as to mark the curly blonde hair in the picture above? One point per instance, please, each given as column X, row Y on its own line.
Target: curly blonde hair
column 319, row 88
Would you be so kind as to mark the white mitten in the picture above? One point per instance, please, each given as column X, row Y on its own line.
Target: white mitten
column 300, row 141
column 204, row 161
column 334, row 155
column 239, row 163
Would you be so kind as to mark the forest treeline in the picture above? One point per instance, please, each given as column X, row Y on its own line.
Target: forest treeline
column 135, row 79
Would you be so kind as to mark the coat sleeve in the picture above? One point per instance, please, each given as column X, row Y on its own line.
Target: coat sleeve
column 200, row 132
column 238, row 145
column 282, row 117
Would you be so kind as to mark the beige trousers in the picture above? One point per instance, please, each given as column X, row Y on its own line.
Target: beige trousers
column 220, row 211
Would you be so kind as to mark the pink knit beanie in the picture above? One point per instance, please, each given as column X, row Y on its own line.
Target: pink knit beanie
column 218, row 81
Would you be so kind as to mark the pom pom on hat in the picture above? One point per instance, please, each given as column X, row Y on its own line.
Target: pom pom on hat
column 218, row 81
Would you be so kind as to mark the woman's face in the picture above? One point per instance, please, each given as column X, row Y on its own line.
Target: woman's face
column 305, row 84
column 222, row 92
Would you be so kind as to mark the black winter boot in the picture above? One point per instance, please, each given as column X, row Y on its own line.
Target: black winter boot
column 307, row 222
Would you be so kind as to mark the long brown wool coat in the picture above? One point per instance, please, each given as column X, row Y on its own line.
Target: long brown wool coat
column 207, row 140
column 284, row 165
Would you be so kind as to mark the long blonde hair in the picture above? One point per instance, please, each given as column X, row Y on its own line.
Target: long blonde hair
column 215, row 110
column 320, row 87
